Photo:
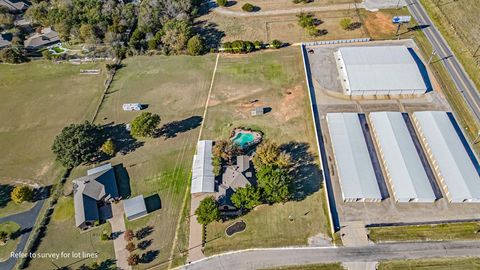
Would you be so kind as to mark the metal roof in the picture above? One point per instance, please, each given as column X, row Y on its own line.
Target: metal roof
column 135, row 207
column 402, row 162
column 203, row 179
column 381, row 68
column 450, row 157
column 355, row 170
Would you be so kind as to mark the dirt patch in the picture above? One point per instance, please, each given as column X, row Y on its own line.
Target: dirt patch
column 379, row 24
column 288, row 107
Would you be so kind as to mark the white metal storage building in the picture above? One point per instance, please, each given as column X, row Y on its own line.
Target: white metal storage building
column 354, row 166
column 379, row 70
column 404, row 169
column 203, row 178
column 449, row 158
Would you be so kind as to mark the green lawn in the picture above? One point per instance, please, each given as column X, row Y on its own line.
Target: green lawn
column 432, row 264
column 276, row 80
column 63, row 236
column 450, row 231
column 37, row 100
column 325, row 266
column 5, row 249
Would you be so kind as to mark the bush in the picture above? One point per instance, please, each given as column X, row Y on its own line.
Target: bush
column 108, row 148
column 12, row 55
column 207, row 211
column 133, row 259
column 128, row 235
column 21, row 194
column 195, row 45
column 130, row 246
column 248, row 7
column 145, row 124
column 276, row 44
column 258, row 44
column 104, row 236
column 346, row 23
column 222, row 3
column 217, row 165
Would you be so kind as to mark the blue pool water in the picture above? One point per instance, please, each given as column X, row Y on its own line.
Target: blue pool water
column 242, row 139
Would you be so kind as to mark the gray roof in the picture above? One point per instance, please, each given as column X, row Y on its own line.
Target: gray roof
column 87, row 190
column 381, row 68
column 405, row 170
column 354, row 165
column 203, row 179
column 243, row 163
column 135, row 207
column 4, row 41
column 14, row 5
column 453, row 163
column 47, row 37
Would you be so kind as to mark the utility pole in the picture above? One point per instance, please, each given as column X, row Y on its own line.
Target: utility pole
column 434, row 52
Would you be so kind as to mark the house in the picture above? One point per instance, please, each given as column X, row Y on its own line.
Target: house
column 234, row 177
column 46, row 37
column 92, row 195
column 15, row 6
column 5, row 40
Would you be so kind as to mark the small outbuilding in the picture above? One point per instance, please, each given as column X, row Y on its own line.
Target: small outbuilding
column 135, row 208
column 257, row 111
column 132, row 107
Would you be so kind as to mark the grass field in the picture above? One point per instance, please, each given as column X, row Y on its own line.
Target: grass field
column 64, row 209
column 176, row 88
column 276, row 80
column 267, row 5
column 282, row 27
column 326, row 266
column 450, row 231
column 5, row 249
column 432, row 264
column 37, row 100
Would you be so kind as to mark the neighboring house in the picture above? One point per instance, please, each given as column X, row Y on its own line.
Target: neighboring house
column 39, row 40
column 5, row 40
column 92, row 195
column 234, row 177
column 14, row 5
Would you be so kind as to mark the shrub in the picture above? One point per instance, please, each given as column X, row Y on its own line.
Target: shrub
column 258, row 44
column 133, row 259
column 248, row 7
column 145, row 124
column 130, row 246
column 3, row 237
column 222, row 3
column 346, row 23
column 104, row 236
column 108, row 148
column 128, row 235
column 207, row 211
column 195, row 45
column 12, row 55
column 21, row 194
column 276, row 44
column 217, row 165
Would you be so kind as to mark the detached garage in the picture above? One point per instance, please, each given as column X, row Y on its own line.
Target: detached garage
column 135, row 208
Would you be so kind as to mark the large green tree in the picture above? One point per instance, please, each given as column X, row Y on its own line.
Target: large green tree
column 268, row 153
column 207, row 211
column 246, row 198
column 195, row 45
column 21, row 194
column 275, row 183
column 145, row 124
column 175, row 35
column 77, row 144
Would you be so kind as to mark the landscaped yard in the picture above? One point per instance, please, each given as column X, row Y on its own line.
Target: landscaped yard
column 5, row 249
column 326, row 266
column 37, row 100
column 432, row 264
column 175, row 88
column 63, row 236
column 440, row 232
column 272, row 79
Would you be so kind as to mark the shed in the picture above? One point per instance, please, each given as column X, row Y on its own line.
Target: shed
column 132, row 107
column 257, row 111
column 135, row 208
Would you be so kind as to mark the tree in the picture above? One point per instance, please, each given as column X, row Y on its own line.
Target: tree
column 12, row 55
column 195, row 45
column 207, row 211
column 275, row 184
column 175, row 35
column 246, row 198
column 268, row 153
column 276, row 44
column 346, row 23
column 133, row 259
column 128, row 235
column 306, row 20
column 104, row 236
column 145, row 124
column 77, row 144
column 222, row 3
column 130, row 246
column 3, row 236
column 226, row 150
column 137, row 40
column 217, row 165
column 108, row 148
column 21, row 194
column 248, row 7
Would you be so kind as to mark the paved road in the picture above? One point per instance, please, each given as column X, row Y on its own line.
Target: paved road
column 26, row 220
column 261, row 258
column 456, row 71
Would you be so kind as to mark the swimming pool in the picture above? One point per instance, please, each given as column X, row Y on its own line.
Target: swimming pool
column 243, row 139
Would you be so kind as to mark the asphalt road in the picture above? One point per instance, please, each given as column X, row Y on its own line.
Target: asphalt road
column 261, row 258
column 456, row 71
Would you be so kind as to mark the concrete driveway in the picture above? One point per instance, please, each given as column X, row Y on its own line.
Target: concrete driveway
column 119, row 243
